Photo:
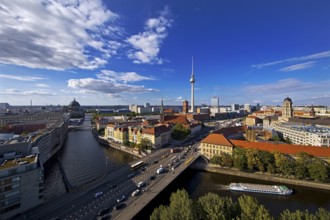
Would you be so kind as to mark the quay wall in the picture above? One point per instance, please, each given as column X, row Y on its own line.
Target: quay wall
column 260, row 176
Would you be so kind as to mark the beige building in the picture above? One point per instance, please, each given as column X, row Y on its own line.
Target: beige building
column 215, row 144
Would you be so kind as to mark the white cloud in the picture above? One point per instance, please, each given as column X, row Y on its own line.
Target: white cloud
column 38, row 92
column 179, row 98
column 315, row 56
column 146, row 45
column 299, row 66
column 111, row 83
column 20, row 78
column 42, row 85
column 122, row 77
column 106, row 86
column 57, row 34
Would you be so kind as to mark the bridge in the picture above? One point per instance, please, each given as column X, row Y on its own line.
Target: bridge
column 151, row 192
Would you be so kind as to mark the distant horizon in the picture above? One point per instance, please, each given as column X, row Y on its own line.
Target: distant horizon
column 121, row 52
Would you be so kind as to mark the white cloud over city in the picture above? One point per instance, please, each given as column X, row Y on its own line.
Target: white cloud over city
column 146, row 45
column 111, row 82
column 311, row 57
column 57, row 34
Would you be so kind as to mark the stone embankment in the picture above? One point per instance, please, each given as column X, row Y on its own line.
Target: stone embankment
column 117, row 146
column 260, row 176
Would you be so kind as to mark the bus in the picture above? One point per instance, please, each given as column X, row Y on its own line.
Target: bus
column 137, row 165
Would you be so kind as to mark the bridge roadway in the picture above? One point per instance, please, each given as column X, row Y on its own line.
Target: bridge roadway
column 152, row 190
column 82, row 204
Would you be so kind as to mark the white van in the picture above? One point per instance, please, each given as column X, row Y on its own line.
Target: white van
column 140, row 184
column 136, row 192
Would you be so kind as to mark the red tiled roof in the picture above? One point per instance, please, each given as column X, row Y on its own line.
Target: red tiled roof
column 231, row 130
column 176, row 119
column 217, row 139
column 252, row 116
column 284, row 148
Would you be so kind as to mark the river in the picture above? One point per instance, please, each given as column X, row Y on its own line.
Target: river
column 85, row 160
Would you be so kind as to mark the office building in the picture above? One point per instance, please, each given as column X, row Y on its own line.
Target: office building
column 215, row 102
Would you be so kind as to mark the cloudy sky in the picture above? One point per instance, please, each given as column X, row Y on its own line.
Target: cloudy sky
column 132, row 52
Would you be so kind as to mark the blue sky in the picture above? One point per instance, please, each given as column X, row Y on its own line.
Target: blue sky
column 121, row 52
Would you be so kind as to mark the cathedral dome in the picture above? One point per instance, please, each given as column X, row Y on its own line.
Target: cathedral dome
column 74, row 103
column 287, row 99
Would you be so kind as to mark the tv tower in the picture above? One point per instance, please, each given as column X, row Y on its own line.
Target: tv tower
column 192, row 81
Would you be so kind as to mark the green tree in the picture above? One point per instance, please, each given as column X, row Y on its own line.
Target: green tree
column 145, row 144
column 265, row 160
column 239, row 158
column 322, row 214
column 160, row 213
column 251, row 158
column 319, row 170
column 301, row 168
column 181, row 206
column 180, row 132
column 213, row 207
column 216, row 160
column 226, row 160
column 287, row 215
column 251, row 209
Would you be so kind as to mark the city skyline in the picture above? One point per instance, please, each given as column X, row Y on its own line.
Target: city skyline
column 127, row 52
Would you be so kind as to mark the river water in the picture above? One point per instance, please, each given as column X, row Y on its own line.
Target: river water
column 85, row 160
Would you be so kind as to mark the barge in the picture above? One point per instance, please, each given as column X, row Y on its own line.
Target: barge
column 259, row 188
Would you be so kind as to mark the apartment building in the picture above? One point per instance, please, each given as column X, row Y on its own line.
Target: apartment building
column 215, row 144
column 305, row 135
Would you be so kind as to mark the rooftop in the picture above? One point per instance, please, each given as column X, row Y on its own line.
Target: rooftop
column 18, row 161
column 218, row 139
column 284, row 148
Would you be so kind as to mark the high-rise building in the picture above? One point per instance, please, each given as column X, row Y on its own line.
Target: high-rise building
column 185, row 106
column 215, row 102
column 192, row 81
column 235, row 107
column 247, row 107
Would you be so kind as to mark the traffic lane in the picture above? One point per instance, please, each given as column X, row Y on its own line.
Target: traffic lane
column 91, row 208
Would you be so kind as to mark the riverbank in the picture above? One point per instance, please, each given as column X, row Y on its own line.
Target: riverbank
column 117, row 146
column 259, row 176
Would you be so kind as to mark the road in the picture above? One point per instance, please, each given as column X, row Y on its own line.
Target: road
column 82, row 204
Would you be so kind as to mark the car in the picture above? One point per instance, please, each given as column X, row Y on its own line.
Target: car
column 136, row 192
column 120, row 199
column 98, row 194
column 119, row 206
column 156, row 161
column 103, row 211
column 141, row 184
column 152, row 177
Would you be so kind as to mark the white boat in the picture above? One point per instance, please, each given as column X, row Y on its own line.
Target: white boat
column 259, row 188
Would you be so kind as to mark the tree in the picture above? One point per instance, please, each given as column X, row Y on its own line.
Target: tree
column 301, row 168
column 226, row 160
column 239, row 158
column 160, row 213
column 145, row 144
column 181, row 206
column 319, row 170
column 180, row 132
column 288, row 140
column 216, row 159
column 251, row 209
column 266, row 161
column 213, row 207
column 251, row 158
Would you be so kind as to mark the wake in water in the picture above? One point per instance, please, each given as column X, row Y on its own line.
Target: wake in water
column 219, row 187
